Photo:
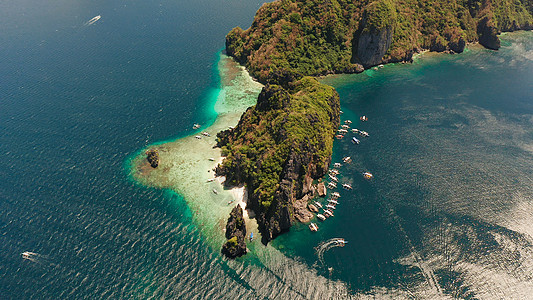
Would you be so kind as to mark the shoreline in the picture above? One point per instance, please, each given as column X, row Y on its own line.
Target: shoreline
column 187, row 164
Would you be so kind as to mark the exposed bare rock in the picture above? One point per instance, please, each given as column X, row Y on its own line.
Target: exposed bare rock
column 301, row 213
column 312, row 208
column 321, row 189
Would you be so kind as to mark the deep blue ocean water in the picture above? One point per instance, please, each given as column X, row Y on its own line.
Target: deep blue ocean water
column 451, row 150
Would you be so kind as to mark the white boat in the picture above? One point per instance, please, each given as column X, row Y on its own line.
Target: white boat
column 364, row 133
column 206, row 133
column 313, row 227
column 231, row 127
column 333, row 201
column 330, row 206
column 335, row 195
column 196, row 126
column 198, row 137
column 215, row 191
column 210, row 179
column 339, row 136
column 328, row 213
column 334, row 171
column 318, row 204
column 341, row 131
column 337, row 165
column 345, row 126
column 368, row 175
column 355, row 140
column 355, row 130
column 363, row 118
column 333, row 178
column 211, row 159
column 346, row 159
column 347, row 122
column 346, row 186
column 321, row 217
column 332, row 185
column 92, row 21
column 341, row 242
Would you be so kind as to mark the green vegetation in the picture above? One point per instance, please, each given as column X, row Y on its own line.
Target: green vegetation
column 300, row 121
column 233, row 242
column 293, row 38
column 288, row 135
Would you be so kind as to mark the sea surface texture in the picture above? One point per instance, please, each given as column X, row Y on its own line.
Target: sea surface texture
column 448, row 214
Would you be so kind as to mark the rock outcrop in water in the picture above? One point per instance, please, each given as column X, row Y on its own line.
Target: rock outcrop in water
column 152, row 156
column 235, row 234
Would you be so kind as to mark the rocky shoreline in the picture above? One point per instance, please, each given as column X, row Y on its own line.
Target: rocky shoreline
column 289, row 40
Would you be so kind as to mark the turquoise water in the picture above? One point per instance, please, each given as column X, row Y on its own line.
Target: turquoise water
column 448, row 212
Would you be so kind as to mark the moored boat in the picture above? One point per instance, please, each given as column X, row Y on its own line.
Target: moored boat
column 332, row 185
column 368, row 175
column 321, row 217
column 355, row 140
column 333, row 201
column 347, row 186
column 313, row 227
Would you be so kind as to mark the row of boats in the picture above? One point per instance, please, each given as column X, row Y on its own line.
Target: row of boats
column 333, row 201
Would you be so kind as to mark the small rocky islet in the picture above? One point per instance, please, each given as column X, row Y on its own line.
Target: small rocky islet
column 284, row 142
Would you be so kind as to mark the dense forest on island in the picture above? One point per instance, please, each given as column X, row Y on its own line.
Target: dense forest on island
column 285, row 141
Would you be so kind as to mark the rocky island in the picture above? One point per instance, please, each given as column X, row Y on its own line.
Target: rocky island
column 285, row 141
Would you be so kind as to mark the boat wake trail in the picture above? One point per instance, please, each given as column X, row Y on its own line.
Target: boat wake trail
column 325, row 246
column 37, row 258
column 92, row 21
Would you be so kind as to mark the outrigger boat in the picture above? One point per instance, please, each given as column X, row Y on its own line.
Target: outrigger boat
column 321, row 217
column 196, row 126
column 347, row 186
column 333, row 201
column 363, row 118
column 368, row 175
column 347, row 159
column 333, row 178
column 335, row 195
column 337, row 165
column 355, row 130
column 328, row 213
column 364, row 133
column 332, row 185
column 355, row 140
column 334, row 171
column 330, row 206
column 347, row 122
column 318, row 204
column 313, row 227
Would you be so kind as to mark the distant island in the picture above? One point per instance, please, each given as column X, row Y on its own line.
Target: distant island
column 283, row 144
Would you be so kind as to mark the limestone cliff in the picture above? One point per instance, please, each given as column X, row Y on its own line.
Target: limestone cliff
column 279, row 146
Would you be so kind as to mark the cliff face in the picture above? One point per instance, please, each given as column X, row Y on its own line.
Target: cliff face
column 374, row 36
column 290, row 39
column 278, row 147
